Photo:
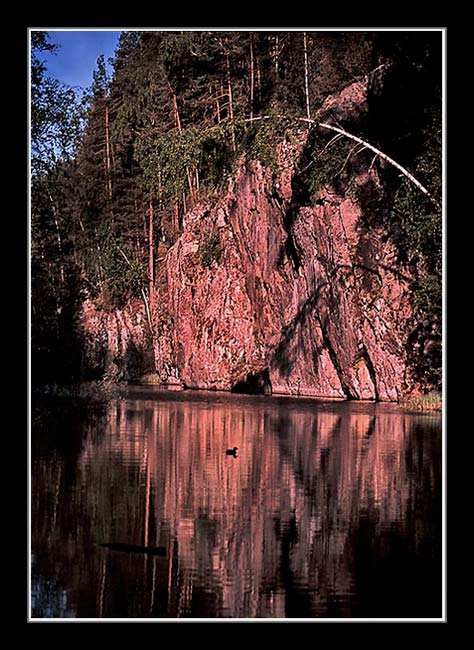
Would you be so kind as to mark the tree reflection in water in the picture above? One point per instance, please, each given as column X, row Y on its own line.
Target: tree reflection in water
column 330, row 509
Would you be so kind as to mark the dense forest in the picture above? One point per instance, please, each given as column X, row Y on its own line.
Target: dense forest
column 114, row 173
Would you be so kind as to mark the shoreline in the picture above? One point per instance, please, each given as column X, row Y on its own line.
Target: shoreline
column 106, row 390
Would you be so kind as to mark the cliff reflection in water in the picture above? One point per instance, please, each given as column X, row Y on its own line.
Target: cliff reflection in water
column 329, row 510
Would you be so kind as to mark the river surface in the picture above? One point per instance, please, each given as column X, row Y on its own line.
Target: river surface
column 330, row 509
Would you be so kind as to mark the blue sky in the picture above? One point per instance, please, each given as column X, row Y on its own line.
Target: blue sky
column 75, row 60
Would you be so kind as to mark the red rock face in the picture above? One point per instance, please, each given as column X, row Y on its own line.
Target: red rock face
column 331, row 326
column 116, row 343
column 312, row 305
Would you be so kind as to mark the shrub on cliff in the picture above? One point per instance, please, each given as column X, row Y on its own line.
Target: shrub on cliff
column 210, row 250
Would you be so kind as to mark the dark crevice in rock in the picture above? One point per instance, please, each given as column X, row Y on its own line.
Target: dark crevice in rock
column 371, row 370
column 349, row 391
column 290, row 248
column 257, row 383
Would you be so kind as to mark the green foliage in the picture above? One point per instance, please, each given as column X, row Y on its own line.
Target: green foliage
column 88, row 393
column 210, row 250
column 326, row 163
column 419, row 218
column 115, row 274
column 338, row 59
column 419, row 225
column 122, row 280
column 100, row 83
column 171, row 159
column 55, row 114
column 56, row 285
column 432, row 401
column 427, row 293
column 150, row 378
column 56, row 330
column 216, row 158
column 263, row 138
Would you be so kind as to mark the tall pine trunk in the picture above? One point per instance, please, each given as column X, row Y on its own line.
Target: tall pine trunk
column 107, row 154
column 178, row 126
column 231, row 103
column 306, row 83
column 151, row 262
column 180, row 130
column 251, row 77
column 58, row 237
column 176, row 216
column 175, row 108
column 218, row 108
column 277, row 53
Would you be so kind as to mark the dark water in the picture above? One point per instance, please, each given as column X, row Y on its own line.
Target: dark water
column 331, row 509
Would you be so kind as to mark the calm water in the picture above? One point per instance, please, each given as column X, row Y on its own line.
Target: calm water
column 331, row 509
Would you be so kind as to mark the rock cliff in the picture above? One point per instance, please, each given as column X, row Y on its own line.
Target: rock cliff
column 263, row 292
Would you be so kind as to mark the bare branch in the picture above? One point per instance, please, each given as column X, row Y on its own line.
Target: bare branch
column 347, row 159
column 142, row 290
column 382, row 155
column 332, row 141
column 147, row 307
column 372, row 163
column 123, row 254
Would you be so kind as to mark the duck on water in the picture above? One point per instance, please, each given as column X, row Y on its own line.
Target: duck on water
column 232, row 452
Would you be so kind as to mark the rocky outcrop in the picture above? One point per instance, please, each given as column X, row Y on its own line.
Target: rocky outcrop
column 117, row 344
column 260, row 293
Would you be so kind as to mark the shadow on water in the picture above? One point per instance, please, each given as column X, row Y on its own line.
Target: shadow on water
column 332, row 510
column 134, row 548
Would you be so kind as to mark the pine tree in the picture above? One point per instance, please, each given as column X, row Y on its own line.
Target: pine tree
column 54, row 278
